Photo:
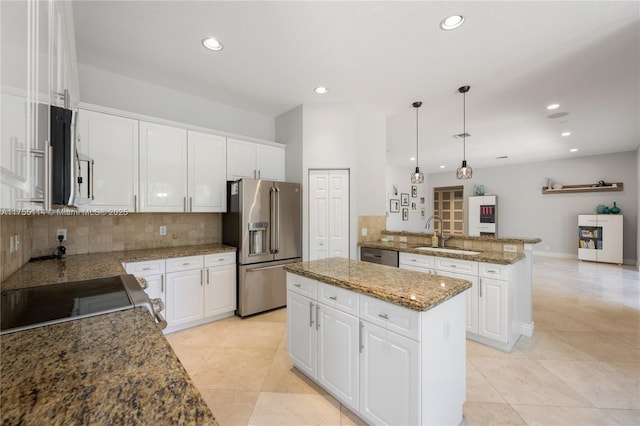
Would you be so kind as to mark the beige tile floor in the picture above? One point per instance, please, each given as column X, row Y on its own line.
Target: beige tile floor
column 582, row 366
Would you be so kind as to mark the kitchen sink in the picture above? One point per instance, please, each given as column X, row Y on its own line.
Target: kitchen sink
column 448, row 250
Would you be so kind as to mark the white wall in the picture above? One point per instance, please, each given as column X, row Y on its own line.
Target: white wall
column 638, row 216
column 399, row 180
column 107, row 89
column 340, row 136
column 289, row 131
column 524, row 212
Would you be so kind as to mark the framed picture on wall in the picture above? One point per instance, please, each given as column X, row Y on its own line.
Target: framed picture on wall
column 414, row 206
column 404, row 199
column 421, row 200
column 394, row 205
column 405, row 214
column 421, row 213
column 414, row 191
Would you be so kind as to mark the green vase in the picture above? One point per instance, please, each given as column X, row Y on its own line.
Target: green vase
column 615, row 209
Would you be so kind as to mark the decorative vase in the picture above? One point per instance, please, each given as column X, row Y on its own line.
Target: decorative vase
column 615, row 209
column 605, row 210
column 600, row 209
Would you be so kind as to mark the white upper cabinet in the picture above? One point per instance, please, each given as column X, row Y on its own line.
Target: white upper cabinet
column 163, row 168
column 112, row 142
column 207, row 172
column 254, row 161
column 270, row 162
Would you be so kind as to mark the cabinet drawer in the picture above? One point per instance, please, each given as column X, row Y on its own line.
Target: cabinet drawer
column 419, row 260
column 403, row 321
column 339, row 298
column 302, row 285
column 491, row 270
column 459, row 266
column 147, row 267
column 184, row 263
column 219, row 259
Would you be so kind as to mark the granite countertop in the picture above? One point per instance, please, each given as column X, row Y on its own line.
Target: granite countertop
column 523, row 240
column 81, row 267
column 414, row 290
column 497, row 257
column 115, row 368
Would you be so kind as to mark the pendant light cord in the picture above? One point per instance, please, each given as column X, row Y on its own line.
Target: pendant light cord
column 417, row 138
column 464, row 126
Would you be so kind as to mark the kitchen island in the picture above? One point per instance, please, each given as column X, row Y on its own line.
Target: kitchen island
column 387, row 343
column 115, row 368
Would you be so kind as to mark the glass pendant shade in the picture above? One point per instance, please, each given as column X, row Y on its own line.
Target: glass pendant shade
column 464, row 172
column 417, row 176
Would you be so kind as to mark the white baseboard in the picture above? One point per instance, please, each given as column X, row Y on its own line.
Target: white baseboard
column 555, row 254
column 527, row 329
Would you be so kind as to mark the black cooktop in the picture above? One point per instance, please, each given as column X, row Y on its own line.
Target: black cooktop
column 50, row 304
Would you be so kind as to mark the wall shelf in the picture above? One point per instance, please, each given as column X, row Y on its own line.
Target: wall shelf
column 574, row 189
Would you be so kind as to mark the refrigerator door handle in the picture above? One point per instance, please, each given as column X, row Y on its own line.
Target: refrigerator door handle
column 274, row 219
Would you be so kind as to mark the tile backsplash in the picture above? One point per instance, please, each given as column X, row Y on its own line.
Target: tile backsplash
column 95, row 234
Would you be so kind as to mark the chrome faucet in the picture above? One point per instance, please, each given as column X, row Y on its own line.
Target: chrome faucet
column 443, row 237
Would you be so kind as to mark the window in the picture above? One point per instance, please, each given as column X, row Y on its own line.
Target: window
column 448, row 203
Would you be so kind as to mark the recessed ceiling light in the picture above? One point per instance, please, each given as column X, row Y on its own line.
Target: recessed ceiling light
column 565, row 134
column 412, row 159
column 211, row 43
column 451, row 22
column 442, row 166
column 553, row 106
column 320, row 90
column 573, row 150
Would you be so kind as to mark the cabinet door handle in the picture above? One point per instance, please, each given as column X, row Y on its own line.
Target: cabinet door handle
column 201, row 277
column 135, row 203
column 385, row 316
column 146, row 269
column 184, row 204
column 491, row 271
column 298, row 285
column 207, row 277
column 480, row 287
column 317, row 315
column 258, row 173
column 310, row 314
column 360, row 343
column 190, row 204
column 333, row 297
column 162, row 283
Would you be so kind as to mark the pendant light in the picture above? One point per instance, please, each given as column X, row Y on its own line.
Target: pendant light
column 417, row 176
column 464, row 171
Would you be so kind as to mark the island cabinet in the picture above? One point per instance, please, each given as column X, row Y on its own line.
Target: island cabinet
column 493, row 315
column 389, row 364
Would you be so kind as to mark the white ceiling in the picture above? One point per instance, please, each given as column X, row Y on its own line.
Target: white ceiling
column 517, row 57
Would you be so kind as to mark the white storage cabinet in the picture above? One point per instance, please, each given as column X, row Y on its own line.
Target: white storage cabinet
column 600, row 238
column 112, row 142
column 254, row 161
column 388, row 364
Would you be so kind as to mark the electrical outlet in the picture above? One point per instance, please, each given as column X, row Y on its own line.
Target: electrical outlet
column 16, row 244
column 62, row 232
column 510, row 248
column 402, row 239
column 364, row 232
column 163, row 230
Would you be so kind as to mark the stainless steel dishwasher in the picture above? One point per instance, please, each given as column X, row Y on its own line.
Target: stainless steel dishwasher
column 381, row 256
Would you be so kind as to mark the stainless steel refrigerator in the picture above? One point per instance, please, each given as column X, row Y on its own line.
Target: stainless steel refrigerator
column 263, row 221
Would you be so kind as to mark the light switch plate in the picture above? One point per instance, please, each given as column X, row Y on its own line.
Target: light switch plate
column 163, row 230
column 364, row 232
column 402, row 239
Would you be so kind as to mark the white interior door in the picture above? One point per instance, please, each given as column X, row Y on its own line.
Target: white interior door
column 328, row 214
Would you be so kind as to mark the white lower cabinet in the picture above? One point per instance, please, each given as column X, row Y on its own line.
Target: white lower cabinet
column 358, row 350
column 338, row 345
column 194, row 289
column 390, row 382
column 490, row 316
column 220, row 290
column 184, row 297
